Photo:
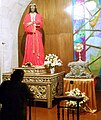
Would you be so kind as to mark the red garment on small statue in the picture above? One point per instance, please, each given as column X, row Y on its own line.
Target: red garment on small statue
column 34, row 51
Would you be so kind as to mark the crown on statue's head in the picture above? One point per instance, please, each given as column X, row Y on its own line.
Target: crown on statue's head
column 32, row 4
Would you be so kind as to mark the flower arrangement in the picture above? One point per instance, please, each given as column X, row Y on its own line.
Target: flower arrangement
column 76, row 92
column 52, row 60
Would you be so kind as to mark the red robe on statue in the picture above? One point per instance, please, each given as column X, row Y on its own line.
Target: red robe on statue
column 34, row 51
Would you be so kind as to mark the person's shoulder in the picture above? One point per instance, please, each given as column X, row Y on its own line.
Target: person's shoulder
column 24, row 84
column 5, row 82
column 27, row 15
column 39, row 14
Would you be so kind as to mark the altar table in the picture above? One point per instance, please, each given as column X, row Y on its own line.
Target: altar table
column 84, row 85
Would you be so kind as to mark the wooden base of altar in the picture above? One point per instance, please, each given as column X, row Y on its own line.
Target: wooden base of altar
column 84, row 85
column 43, row 85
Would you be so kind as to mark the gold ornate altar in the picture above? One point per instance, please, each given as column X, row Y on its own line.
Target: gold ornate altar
column 43, row 85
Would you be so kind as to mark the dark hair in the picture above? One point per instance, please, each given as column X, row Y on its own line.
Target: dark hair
column 17, row 75
column 34, row 10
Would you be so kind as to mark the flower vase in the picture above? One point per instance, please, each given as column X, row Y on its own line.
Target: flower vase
column 52, row 70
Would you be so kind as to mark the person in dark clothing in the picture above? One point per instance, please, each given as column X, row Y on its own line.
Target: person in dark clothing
column 13, row 97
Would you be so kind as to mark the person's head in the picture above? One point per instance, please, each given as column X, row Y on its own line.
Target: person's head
column 17, row 75
column 33, row 8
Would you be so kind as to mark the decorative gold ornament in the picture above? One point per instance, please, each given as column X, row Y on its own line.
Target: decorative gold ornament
column 78, row 48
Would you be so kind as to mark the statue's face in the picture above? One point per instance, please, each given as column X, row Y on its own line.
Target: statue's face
column 32, row 8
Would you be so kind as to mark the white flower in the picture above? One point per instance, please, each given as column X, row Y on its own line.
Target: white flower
column 51, row 60
column 76, row 92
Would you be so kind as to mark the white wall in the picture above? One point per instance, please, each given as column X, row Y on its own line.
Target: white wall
column 10, row 15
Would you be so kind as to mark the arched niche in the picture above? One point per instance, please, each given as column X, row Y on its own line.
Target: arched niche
column 57, row 31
